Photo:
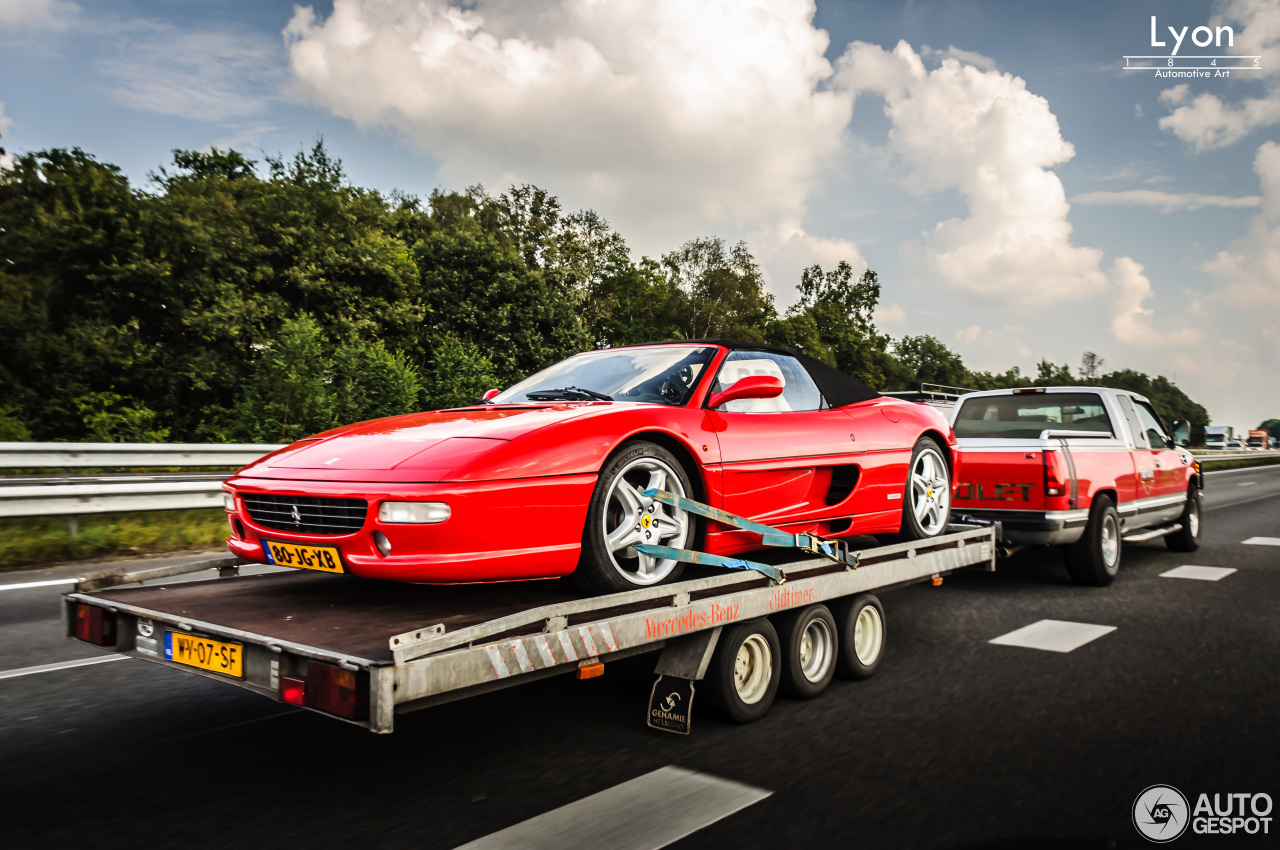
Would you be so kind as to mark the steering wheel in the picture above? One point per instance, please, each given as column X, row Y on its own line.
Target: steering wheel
column 677, row 384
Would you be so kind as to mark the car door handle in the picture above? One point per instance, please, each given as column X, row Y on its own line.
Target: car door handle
column 1158, row 466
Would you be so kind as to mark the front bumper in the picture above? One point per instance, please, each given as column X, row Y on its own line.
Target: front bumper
column 1031, row 528
column 498, row 530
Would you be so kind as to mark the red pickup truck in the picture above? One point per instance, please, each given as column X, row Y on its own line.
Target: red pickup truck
column 1084, row 468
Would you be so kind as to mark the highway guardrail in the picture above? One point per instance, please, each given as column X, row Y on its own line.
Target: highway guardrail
column 22, row 499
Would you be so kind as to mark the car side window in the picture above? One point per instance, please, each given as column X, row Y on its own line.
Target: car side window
column 1135, row 427
column 799, row 391
column 1151, row 426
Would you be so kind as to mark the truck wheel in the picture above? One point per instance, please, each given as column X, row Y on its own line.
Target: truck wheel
column 743, row 676
column 926, row 501
column 1094, row 559
column 1188, row 538
column 618, row 517
column 809, row 647
column 860, row 624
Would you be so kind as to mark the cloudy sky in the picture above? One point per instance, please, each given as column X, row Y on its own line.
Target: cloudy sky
column 1019, row 193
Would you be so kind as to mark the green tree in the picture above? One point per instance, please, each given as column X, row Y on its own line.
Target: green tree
column 370, row 382
column 460, row 375
column 718, row 292
column 930, row 361
column 285, row 396
column 111, row 418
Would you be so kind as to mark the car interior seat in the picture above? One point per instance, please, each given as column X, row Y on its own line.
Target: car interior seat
column 735, row 370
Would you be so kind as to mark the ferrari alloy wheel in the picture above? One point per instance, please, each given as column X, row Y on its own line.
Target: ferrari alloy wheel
column 620, row 517
column 926, row 499
column 930, row 489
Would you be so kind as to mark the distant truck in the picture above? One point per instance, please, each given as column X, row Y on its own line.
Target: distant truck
column 1084, row 468
column 1258, row 439
column 1217, row 436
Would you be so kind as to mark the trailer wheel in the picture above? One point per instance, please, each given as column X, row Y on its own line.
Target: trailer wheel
column 1094, row 559
column 742, row 679
column 809, row 648
column 1188, row 538
column 861, row 628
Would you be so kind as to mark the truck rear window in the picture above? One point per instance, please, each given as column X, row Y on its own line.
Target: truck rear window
column 1027, row 414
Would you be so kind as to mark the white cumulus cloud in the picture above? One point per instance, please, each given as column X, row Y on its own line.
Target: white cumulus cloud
column 1165, row 201
column 1132, row 322
column 1207, row 122
column 663, row 115
column 981, row 133
column 48, row 14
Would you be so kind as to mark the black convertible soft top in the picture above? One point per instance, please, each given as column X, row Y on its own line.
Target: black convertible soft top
column 837, row 388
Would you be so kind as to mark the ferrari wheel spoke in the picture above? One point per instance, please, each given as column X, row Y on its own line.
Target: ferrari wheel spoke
column 922, row 508
column 647, row 564
column 630, row 497
column 657, row 479
column 622, row 536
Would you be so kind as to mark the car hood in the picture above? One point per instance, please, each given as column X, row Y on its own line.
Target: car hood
column 395, row 442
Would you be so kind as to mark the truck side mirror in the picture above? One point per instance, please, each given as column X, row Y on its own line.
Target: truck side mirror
column 489, row 394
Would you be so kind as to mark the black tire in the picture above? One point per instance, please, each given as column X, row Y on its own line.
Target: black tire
column 1091, row 560
column 852, row 638
column 722, row 691
column 912, row 528
column 1188, row 538
column 808, row 660
column 601, row 571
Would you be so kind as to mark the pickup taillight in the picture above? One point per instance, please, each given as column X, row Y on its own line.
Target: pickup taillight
column 1055, row 482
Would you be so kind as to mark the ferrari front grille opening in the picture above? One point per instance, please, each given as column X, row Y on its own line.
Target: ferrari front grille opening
column 306, row 514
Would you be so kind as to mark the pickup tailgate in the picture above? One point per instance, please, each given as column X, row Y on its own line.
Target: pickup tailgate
column 1002, row 478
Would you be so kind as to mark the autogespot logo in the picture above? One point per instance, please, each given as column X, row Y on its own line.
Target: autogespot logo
column 1160, row 813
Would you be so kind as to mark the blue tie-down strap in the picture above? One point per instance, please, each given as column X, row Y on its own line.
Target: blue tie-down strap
column 836, row 550
column 691, row 557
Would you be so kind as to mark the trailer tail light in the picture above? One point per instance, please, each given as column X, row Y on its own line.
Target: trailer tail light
column 95, row 626
column 337, row 690
column 1054, row 482
column 293, row 691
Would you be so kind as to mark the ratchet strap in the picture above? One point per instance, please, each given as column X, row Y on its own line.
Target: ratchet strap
column 836, row 550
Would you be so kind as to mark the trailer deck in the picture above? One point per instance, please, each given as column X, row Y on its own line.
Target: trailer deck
column 412, row 646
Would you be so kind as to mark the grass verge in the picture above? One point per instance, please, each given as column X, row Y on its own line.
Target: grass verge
column 31, row 541
column 1242, row 463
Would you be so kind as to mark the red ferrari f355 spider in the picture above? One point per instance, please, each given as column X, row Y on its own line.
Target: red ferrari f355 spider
column 546, row 478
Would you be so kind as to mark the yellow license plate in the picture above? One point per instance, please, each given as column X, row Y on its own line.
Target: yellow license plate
column 326, row 559
column 206, row 654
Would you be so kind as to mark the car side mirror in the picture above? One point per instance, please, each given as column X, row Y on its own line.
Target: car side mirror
column 488, row 394
column 752, row 386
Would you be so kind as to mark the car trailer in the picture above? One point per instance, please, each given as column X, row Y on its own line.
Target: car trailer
column 364, row 650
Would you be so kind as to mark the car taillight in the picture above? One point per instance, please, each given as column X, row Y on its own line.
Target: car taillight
column 1054, row 482
column 329, row 688
column 95, row 626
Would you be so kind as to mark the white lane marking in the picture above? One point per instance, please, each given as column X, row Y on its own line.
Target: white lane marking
column 1201, row 573
column 1053, row 635
column 29, row 584
column 61, row 665
column 1263, row 541
column 1245, row 483
column 646, row 813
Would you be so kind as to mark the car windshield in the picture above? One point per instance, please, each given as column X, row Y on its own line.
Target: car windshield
column 1027, row 414
column 663, row 374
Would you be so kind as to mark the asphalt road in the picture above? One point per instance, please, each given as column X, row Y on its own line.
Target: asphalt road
column 956, row 742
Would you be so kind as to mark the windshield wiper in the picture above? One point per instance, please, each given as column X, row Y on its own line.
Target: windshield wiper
column 567, row 394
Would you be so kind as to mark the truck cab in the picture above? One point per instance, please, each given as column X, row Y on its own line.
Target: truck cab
column 1084, row 468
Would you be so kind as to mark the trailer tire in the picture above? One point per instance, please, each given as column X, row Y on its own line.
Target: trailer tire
column 742, row 679
column 862, row 635
column 1094, row 559
column 604, row 568
column 928, row 488
column 1187, row 539
column 810, row 645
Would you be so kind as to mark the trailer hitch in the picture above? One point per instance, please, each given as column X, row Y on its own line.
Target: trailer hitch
column 836, row 550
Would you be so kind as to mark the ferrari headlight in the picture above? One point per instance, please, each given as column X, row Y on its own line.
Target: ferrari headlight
column 419, row 512
column 229, row 501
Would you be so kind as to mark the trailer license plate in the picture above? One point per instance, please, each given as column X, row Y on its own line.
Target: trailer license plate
column 206, row 654
column 326, row 559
